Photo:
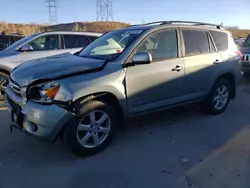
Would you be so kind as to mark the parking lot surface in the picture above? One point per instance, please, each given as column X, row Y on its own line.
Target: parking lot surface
column 179, row 148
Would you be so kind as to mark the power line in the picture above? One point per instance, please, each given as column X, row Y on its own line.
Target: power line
column 104, row 10
column 52, row 7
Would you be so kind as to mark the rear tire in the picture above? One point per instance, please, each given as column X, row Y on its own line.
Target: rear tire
column 92, row 130
column 219, row 97
column 3, row 84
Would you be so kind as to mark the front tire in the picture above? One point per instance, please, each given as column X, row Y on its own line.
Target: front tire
column 219, row 97
column 92, row 130
column 3, row 84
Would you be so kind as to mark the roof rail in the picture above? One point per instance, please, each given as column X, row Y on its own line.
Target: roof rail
column 193, row 23
column 150, row 23
column 181, row 22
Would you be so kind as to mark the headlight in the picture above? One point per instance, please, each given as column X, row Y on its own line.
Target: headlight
column 44, row 93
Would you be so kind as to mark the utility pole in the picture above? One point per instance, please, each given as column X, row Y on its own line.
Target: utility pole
column 104, row 10
column 52, row 7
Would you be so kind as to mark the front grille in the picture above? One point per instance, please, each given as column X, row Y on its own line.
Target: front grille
column 17, row 110
column 246, row 58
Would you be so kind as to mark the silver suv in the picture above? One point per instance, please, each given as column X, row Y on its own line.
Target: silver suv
column 41, row 45
column 124, row 73
column 245, row 49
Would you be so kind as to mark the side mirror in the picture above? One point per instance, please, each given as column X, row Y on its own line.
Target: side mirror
column 26, row 48
column 142, row 58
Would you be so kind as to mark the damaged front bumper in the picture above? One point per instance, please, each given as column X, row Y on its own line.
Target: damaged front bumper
column 43, row 121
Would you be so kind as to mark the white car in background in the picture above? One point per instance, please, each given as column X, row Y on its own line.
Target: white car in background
column 41, row 45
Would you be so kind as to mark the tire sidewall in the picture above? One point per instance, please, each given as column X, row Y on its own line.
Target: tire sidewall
column 210, row 103
column 70, row 131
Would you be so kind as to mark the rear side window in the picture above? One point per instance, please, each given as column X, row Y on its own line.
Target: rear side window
column 92, row 38
column 220, row 40
column 75, row 41
column 196, row 42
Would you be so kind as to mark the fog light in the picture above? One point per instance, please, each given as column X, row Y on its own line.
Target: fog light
column 30, row 127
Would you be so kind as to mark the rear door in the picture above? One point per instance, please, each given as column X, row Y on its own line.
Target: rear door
column 200, row 59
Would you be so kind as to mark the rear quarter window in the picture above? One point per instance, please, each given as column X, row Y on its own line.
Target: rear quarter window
column 220, row 40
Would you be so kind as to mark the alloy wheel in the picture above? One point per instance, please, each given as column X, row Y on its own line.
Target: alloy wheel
column 93, row 129
column 221, row 97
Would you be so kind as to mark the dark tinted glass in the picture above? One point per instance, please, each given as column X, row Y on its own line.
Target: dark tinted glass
column 196, row 42
column 4, row 39
column 220, row 40
column 12, row 40
column 75, row 41
column 49, row 42
column 161, row 45
column 4, row 42
column 92, row 38
column 247, row 41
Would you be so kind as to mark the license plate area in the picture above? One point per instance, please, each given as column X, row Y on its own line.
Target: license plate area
column 16, row 114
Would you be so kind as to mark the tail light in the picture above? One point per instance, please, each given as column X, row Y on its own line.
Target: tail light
column 239, row 53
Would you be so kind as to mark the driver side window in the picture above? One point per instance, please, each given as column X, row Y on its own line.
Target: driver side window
column 49, row 42
column 161, row 45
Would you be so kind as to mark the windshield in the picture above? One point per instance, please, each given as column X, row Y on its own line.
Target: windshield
column 110, row 45
column 21, row 41
column 247, row 41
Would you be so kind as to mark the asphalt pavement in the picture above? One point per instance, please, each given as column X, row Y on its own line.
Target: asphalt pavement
column 180, row 148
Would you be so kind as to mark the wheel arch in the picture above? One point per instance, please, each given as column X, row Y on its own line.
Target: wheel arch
column 108, row 97
column 5, row 71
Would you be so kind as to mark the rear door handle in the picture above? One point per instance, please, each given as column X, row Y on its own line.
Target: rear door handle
column 177, row 68
column 217, row 61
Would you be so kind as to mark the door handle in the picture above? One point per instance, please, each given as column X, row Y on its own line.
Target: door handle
column 177, row 68
column 217, row 61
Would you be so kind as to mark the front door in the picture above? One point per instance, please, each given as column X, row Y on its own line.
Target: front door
column 156, row 85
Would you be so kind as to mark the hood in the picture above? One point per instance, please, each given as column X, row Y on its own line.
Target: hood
column 245, row 49
column 54, row 67
column 7, row 53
